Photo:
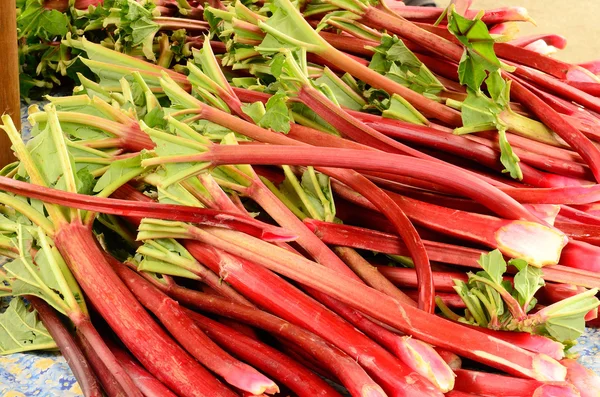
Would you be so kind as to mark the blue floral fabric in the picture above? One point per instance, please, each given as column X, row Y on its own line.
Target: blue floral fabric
column 48, row 375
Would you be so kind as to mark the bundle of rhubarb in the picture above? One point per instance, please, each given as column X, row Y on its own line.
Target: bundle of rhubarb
column 305, row 199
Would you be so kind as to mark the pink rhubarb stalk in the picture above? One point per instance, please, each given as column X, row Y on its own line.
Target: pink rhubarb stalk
column 145, row 209
column 585, row 380
column 68, row 347
column 493, row 385
column 426, row 327
column 296, row 377
column 284, row 300
column 274, row 293
column 125, row 315
column 183, row 329
column 148, row 384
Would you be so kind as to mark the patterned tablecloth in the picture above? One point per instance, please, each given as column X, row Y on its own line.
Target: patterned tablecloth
column 47, row 374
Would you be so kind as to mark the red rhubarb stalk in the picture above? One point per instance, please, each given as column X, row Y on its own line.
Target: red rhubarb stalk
column 148, row 384
column 286, row 301
column 109, row 382
column 372, row 240
column 555, row 40
column 126, row 315
column 68, row 347
column 494, row 385
column 405, row 277
column 183, row 329
column 274, row 290
column 426, row 327
column 149, row 209
column 418, row 355
column 490, row 17
column 269, row 360
column 508, row 236
column 460, row 181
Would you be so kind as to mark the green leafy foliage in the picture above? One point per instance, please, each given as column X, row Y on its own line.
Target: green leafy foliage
column 277, row 116
column 394, row 60
column 479, row 56
column 400, row 109
column 166, row 256
column 480, row 112
column 344, row 95
column 496, row 303
column 287, row 28
column 309, row 197
column 34, row 276
column 119, row 173
column 22, row 331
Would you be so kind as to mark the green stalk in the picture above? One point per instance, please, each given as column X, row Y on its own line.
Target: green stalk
column 63, row 156
column 513, row 305
column 71, row 302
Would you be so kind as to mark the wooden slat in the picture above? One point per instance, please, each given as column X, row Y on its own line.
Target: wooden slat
column 9, row 73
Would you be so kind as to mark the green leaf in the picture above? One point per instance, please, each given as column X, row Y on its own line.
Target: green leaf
column 22, row 331
column 255, row 110
column 277, row 116
column 400, row 109
column 142, row 32
column 44, row 153
column 498, row 88
column 394, row 60
column 119, row 173
column 564, row 320
column 35, row 20
column 508, row 158
column 494, row 265
column 526, row 282
column 157, row 266
column 479, row 56
column 288, row 28
column 45, row 276
column 480, row 112
column 565, row 328
column 470, row 73
column 167, row 256
column 344, row 95
column 318, row 189
column 472, row 302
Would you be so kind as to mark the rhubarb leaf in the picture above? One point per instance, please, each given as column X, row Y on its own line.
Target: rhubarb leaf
column 566, row 328
column 400, row 109
column 311, row 196
column 32, row 279
column 277, row 116
column 508, row 158
column 35, row 20
column 288, row 28
column 119, row 173
column 494, row 265
column 479, row 56
column 480, row 112
column 167, row 256
column 22, row 331
column 564, row 320
column 318, row 187
column 394, row 60
column 255, row 110
column 527, row 282
column 344, row 94
column 149, row 264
